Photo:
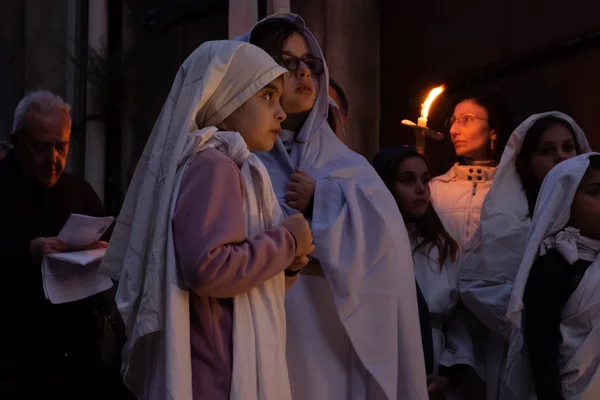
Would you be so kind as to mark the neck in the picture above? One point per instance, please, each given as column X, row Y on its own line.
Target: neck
column 411, row 227
column 294, row 121
column 479, row 162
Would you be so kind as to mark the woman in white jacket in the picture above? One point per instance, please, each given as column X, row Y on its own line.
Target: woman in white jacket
column 435, row 254
column 479, row 127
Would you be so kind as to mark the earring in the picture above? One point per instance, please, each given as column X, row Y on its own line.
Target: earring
column 493, row 144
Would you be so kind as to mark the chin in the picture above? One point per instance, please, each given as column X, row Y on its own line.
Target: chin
column 299, row 106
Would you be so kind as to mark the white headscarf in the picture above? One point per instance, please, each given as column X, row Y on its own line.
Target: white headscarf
column 552, row 213
column 493, row 254
column 216, row 79
column 361, row 244
column 495, row 251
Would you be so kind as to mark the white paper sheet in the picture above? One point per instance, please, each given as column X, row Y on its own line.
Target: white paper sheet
column 73, row 276
column 82, row 230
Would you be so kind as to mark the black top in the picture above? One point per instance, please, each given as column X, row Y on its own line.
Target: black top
column 33, row 327
column 551, row 283
column 426, row 334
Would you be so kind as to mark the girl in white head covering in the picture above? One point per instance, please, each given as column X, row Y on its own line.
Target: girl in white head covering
column 494, row 253
column 556, row 296
column 354, row 323
column 197, row 249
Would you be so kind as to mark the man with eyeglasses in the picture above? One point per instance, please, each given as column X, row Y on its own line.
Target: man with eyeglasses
column 48, row 350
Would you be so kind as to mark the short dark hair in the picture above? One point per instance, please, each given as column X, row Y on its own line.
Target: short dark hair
column 500, row 118
column 342, row 96
column 272, row 34
column 530, row 144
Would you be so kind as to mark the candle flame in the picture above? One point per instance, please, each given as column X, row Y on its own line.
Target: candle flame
column 432, row 96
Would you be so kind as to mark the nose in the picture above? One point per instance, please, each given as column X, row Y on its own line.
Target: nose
column 280, row 115
column 454, row 129
column 51, row 155
column 303, row 71
column 420, row 187
column 561, row 155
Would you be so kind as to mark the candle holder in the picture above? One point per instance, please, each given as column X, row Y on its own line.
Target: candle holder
column 420, row 128
column 421, row 131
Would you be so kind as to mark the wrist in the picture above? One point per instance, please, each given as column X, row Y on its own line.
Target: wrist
column 291, row 273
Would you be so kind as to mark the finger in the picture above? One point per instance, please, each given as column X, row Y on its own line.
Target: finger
column 292, row 196
column 58, row 244
column 299, row 171
column 311, row 249
column 97, row 245
column 293, row 204
column 302, row 260
column 49, row 250
column 296, row 216
column 296, row 178
column 293, row 187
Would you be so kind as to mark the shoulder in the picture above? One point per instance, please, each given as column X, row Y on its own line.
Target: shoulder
column 210, row 165
column 444, row 178
column 76, row 184
column 212, row 158
column 83, row 193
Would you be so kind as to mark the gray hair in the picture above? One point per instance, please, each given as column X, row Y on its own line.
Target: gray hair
column 41, row 101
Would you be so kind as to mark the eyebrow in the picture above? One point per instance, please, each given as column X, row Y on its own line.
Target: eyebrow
column 308, row 54
column 552, row 143
column 272, row 87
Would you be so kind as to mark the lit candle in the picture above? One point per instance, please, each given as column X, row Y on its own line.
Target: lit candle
column 422, row 121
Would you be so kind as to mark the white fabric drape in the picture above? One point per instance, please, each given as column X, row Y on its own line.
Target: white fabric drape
column 363, row 249
column 493, row 255
column 580, row 326
column 213, row 82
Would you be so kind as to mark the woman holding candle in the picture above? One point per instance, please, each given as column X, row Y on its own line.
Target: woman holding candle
column 479, row 127
column 493, row 256
column 353, row 326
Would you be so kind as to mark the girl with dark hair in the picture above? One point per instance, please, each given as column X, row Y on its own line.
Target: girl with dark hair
column 555, row 301
column 479, row 128
column 352, row 319
column 406, row 174
column 493, row 256
column 549, row 141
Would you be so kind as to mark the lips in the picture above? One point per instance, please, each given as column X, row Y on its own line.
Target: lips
column 276, row 131
column 420, row 203
column 304, row 88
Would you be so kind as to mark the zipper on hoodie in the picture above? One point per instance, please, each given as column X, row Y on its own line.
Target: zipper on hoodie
column 474, row 188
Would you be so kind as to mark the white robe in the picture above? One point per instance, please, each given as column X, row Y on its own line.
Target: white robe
column 580, row 326
column 451, row 326
column 493, row 255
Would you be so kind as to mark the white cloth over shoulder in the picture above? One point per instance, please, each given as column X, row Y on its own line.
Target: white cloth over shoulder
column 259, row 365
column 363, row 248
column 494, row 254
column 580, row 326
column 213, row 82
column 452, row 343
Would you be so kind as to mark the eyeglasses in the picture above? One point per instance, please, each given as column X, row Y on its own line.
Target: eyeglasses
column 292, row 63
column 463, row 119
